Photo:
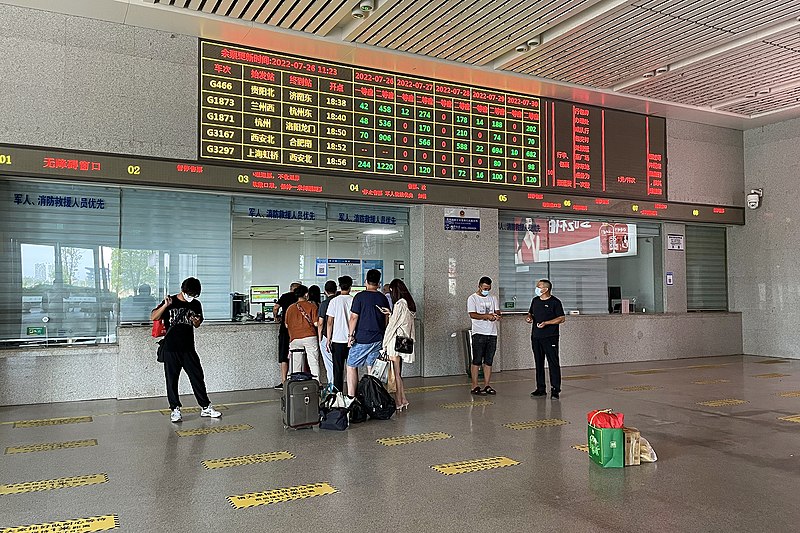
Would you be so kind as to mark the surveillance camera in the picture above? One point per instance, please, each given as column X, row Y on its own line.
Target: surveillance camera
column 366, row 5
column 754, row 198
column 331, row 237
column 357, row 13
column 252, row 234
column 522, row 48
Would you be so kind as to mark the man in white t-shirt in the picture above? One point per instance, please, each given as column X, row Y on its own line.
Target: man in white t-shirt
column 338, row 329
column 484, row 311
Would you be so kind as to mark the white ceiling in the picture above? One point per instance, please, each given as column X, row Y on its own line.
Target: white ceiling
column 734, row 63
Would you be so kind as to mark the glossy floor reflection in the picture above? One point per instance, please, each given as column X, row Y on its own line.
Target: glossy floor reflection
column 721, row 467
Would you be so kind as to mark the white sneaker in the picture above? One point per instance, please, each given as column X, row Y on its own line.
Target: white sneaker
column 210, row 411
column 176, row 415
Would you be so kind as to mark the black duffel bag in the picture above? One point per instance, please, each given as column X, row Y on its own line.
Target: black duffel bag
column 333, row 418
column 377, row 400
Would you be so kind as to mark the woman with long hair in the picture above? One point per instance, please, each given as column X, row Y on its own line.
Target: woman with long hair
column 401, row 323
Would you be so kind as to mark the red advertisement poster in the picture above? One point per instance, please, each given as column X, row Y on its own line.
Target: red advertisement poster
column 540, row 240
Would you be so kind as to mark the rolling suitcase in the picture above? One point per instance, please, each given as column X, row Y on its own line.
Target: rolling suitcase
column 300, row 403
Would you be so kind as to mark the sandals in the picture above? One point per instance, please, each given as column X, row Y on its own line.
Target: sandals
column 489, row 390
column 477, row 391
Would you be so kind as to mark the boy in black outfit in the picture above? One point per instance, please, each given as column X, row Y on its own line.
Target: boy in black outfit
column 181, row 314
column 546, row 313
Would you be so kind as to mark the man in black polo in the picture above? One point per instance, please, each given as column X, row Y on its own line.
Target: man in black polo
column 546, row 313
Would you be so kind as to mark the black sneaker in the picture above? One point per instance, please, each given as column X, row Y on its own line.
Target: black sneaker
column 279, row 386
column 554, row 395
column 539, row 392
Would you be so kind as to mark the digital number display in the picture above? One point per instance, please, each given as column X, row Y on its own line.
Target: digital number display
column 286, row 111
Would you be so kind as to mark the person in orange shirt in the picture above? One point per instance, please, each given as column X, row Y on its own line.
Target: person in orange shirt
column 301, row 321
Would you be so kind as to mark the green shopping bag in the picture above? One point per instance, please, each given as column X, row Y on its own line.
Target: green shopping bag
column 607, row 446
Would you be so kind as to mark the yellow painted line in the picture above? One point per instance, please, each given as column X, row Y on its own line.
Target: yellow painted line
column 412, row 439
column 191, row 410
column 580, row 376
column 50, row 484
column 475, row 465
column 771, row 375
column 722, row 403
column 790, row 394
column 75, row 525
column 536, row 424
column 242, row 460
column 581, row 447
column 700, row 367
column 212, row 430
column 793, row 418
column 646, row 372
column 252, row 499
column 771, row 362
column 636, row 388
column 458, row 405
column 50, row 446
column 51, row 422
column 432, row 388
column 711, row 381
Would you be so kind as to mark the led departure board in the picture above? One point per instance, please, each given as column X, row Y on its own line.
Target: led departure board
column 24, row 162
column 289, row 112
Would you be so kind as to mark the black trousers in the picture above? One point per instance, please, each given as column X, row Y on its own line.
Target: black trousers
column 546, row 348
column 339, row 352
column 190, row 362
column 283, row 344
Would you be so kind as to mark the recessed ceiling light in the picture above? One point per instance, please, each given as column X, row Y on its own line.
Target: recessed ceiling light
column 380, row 231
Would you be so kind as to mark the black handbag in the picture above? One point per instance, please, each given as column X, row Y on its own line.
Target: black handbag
column 403, row 344
column 160, row 352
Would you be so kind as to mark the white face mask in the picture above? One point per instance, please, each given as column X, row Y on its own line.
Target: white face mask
column 537, row 291
column 187, row 297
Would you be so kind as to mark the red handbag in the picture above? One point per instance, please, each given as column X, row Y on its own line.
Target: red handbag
column 605, row 419
column 158, row 328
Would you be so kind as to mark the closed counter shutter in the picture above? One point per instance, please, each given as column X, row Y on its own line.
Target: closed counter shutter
column 706, row 269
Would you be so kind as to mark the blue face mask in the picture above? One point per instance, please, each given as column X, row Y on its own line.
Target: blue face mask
column 484, row 293
column 537, row 291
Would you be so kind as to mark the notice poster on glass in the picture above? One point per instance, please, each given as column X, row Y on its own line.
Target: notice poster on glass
column 541, row 240
column 369, row 264
column 336, row 268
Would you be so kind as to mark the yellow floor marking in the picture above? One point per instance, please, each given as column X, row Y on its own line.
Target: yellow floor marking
column 76, row 525
column 645, row 372
column 711, row 381
column 698, row 367
column 192, row 410
column 793, row 418
column 50, row 484
column 432, row 388
column 51, row 422
column 581, row 447
column 790, row 394
column 457, row 405
column 536, row 424
column 242, row 460
column 463, row 467
column 211, row 430
column 771, row 375
column 722, row 403
column 50, row 446
column 771, row 362
column 636, row 388
column 300, row 492
column 412, row 439
column 580, row 376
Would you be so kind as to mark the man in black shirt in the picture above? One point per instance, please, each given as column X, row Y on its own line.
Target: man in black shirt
column 283, row 304
column 546, row 313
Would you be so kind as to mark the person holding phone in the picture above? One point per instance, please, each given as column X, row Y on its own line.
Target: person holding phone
column 181, row 314
column 484, row 312
column 401, row 324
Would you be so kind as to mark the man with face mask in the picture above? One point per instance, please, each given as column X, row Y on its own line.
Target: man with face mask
column 484, row 311
column 181, row 314
column 546, row 313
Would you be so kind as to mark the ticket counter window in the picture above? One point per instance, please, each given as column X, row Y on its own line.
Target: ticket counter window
column 596, row 266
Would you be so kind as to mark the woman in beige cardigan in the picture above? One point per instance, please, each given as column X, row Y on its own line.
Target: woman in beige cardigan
column 401, row 322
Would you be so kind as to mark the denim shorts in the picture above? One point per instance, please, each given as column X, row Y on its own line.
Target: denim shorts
column 483, row 348
column 364, row 353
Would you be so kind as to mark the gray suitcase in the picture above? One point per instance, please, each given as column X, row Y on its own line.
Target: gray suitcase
column 300, row 403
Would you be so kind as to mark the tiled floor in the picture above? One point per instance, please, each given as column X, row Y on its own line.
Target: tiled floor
column 723, row 466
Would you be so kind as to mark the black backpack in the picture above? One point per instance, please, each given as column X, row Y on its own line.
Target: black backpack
column 377, row 401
